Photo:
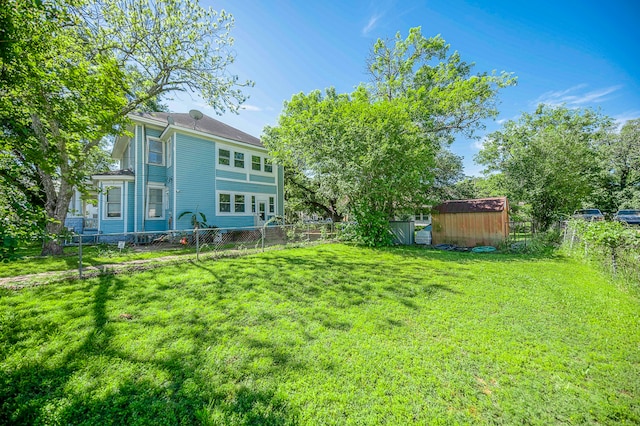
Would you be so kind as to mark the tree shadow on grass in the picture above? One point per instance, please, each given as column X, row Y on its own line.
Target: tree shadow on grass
column 430, row 253
column 116, row 387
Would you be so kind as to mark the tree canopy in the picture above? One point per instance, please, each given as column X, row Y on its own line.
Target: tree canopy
column 619, row 178
column 373, row 152
column 73, row 70
column 548, row 159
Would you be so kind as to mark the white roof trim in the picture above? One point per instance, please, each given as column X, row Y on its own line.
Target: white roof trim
column 214, row 138
column 113, row 177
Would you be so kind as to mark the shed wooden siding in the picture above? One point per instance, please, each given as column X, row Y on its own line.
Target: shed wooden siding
column 470, row 229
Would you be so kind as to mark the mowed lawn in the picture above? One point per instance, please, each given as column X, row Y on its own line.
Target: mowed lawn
column 331, row 334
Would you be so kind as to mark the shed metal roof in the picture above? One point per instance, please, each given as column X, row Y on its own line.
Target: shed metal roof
column 479, row 205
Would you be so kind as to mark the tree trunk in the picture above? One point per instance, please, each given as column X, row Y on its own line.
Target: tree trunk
column 335, row 217
column 52, row 246
column 57, row 206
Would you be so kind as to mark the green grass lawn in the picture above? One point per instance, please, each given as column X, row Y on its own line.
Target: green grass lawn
column 29, row 261
column 326, row 335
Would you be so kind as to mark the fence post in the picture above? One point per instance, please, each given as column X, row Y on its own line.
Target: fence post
column 80, row 255
column 197, row 231
column 262, row 237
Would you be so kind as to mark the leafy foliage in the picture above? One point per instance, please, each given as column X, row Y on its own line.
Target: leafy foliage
column 547, row 159
column 197, row 219
column 618, row 184
column 614, row 244
column 373, row 153
column 74, row 69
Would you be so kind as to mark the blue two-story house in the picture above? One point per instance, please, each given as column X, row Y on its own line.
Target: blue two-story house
column 173, row 163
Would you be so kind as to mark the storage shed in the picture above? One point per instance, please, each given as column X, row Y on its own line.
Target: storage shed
column 470, row 223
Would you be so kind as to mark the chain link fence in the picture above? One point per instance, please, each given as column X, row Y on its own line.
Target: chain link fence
column 618, row 253
column 198, row 243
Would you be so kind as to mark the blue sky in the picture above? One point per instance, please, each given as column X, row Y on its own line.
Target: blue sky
column 581, row 53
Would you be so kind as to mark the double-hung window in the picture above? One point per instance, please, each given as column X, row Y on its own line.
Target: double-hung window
column 114, row 202
column 238, row 203
column 155, row 203
column 272, row 205
column 238, row 160
column 255, row 162
column 224, row 157
column 155, row 152
column 268, row 166
column 225, row 203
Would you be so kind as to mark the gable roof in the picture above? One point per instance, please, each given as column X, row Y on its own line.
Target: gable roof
column 205, row 125
column 479, row 205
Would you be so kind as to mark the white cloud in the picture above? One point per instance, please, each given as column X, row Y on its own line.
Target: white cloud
column 478, row 144
column 620, row 119
column 204, row 106
column 371, row 24
column 575, row 96
column 248, row 107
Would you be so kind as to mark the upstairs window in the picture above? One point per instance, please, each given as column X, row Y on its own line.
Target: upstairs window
column 114, row 202
column 224, row 157
column 255, row 162
column 155, row 152
column 268, row 167
column 238, row 160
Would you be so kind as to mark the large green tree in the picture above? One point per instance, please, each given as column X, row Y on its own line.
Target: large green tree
column 359, row 148
column 618, row 185
column 92, row 63
column 375, row 149
column 548, row 159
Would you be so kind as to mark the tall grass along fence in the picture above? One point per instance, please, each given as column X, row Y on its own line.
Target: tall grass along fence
column 197, row 243
column 614, row 245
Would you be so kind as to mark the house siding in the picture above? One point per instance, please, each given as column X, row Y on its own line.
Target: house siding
column 147, row 174
column 280, row 186
column 170, row 187
column 139, row 171
column 111, row 226
column 191, row 182
column 262, row 179
column 225, row 174
column 195, row 176
column 231, row 186
column 130, row 206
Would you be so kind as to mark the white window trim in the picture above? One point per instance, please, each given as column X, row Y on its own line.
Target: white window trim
column 162, row 188
column 260, row 197
column 266, row 173
column 164, row 151
column 230, row 158
column 169, row 152
column 248, row 162
column 231, row 206
column 260, row 163
column 269, row 205
column 105, row 187
column 244, row 160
